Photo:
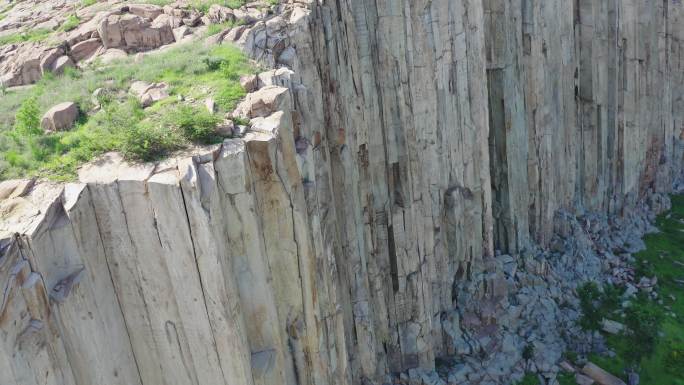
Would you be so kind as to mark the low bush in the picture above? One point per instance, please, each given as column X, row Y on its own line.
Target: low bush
column 195, row 123
column 643, row 320
column 597, row 303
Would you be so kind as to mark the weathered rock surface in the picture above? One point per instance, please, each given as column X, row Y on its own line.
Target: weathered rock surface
column 24, row 63
column 85, row 49
column 60, row 117
column 134, row 33
column 149, row 93
column 60, row 64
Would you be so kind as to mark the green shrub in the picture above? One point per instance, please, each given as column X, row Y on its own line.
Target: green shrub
column 196, row 123
column 528, row 352
column 529, row 379
column 566, row 379
column 70, row 23
column 589, row 296
column 213, row 29
column 674, row 361
column 27, row 119
column 643, row 320
column 146, row 141
column 596, row 305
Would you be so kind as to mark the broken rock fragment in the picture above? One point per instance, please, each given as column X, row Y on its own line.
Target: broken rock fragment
column 149, row 93
column 599, row 375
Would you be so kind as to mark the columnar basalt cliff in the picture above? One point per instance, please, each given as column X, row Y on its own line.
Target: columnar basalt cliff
column 353, row 233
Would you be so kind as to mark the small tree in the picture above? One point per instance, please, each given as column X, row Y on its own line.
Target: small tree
column 643, row 321
column 27, row 121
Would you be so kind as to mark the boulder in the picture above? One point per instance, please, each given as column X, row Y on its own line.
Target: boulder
column 87, row 30
column 287, row 57
column 61, row 63
column 249, row 82
column 48, row 59
column 171, row 21
column 149, row 93
column 611, row 327
column 112, row 54
column 219, row 14
column 85, row 49
column 263, row 102
column 193, row 19
column 226, row 128
column 60, row 117
column 148, row 11
column 210, row 104
column 581, row 379
column 15, row 187
column 566, row 366
column 180, row 32
column 246, row 16
column 133, row 33
column 599, row 375
column 21, row 63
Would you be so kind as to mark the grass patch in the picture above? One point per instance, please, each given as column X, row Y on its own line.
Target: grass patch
column 87, row 3
column 213, row 29
column 655, row 347
column 529, row 379
column 192, row 71
column 70, row 23
column 566, row 379
column 37, row 34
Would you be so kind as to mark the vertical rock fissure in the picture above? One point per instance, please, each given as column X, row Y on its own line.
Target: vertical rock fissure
column 116, row 294
column 199, row 276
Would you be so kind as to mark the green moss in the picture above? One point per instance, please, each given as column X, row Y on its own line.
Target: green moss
column 192, row 71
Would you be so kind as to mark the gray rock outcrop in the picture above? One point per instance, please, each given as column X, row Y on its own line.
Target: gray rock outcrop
column 134, row 33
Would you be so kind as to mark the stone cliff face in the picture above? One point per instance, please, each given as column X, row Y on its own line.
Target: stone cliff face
column 332, row 243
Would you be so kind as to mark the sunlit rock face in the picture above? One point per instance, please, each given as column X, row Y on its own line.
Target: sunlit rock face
column 343, row 236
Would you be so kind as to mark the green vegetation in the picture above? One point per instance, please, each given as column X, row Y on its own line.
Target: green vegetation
column 201, row 5
column 87, row 3
column 213, row 29
column 194, row 72
column 654, row 342
column 529, row 379
column 598, row 303
column 70, row 23
column 37, row 34
column 566, row 379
